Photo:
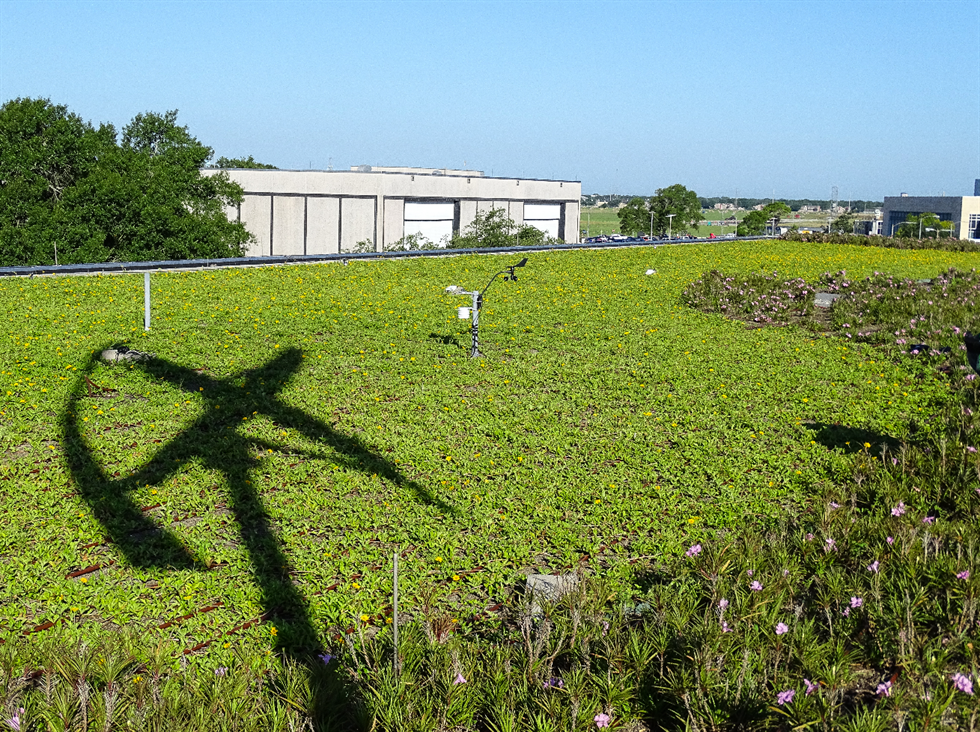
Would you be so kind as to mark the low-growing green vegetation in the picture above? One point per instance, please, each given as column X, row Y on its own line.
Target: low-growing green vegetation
column 772, row 526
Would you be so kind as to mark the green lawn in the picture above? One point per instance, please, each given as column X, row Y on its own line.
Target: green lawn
column 300, row 424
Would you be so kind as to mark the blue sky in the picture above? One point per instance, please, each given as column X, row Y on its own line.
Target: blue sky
column 876, row 98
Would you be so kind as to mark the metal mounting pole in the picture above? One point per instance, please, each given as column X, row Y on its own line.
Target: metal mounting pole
column 475, row 351
column 146, row 301
column 394, row 620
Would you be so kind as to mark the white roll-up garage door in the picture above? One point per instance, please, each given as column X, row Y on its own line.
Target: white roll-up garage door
column 431, row 219
column 543, row 216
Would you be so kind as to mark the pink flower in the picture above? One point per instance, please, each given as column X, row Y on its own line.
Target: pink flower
column 964, row 575
column 785, row 697
column 725, row 627
column 459, row 678
column 899, row 510
column 601, row 720
column 834, row 504
column 890, row 539
column 845, row 612
column 693, row 551
column 811, row 686
column 963, row 683
column 755, row 586
column 929, row 520
column 781, row 628
column 723, row 603
column 856, row 602
column 749, row 572
column 884, row 689
column 874, row 566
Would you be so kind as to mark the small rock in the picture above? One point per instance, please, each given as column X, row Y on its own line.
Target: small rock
column 549, row 587
column 825, row 299
column 125, row 354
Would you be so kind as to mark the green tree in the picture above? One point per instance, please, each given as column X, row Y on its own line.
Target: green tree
column 634, row 217
column 248, row 162
column 755, row 222
column 679, row 201
column 65, row 184
column 671, row 209
column 843, row 224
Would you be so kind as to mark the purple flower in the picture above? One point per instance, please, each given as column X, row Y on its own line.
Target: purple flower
column 971, row 377
column 834, row 504
column 809, row 537
column 884, row 689
column 326, row 658
column 785, row 697
column 845, row 612
column 459, row 678
column 693, row 551
column 725, row 627
column 829, row 545
column 929, row 520
column 749, row 572
column 890, row 539
column 14, row 721
column 811, row 686
column 899, row 510
column 723, row 603
column 970, row 449
column 221, row 671
column 605, row 628
column 964, row 575
column 554, row 683
column 781, row 628
column 756, row 586
column 601, row 720
column 785, row 573
column 961, row 682
column 874, row 566
column 856, row 602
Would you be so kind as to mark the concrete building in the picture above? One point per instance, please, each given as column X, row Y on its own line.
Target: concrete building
column 326, row 212
column 962, row 211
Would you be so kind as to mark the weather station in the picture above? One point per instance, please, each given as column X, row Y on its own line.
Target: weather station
column 472, row 312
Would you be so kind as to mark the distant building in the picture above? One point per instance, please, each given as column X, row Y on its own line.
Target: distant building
column 326, row 212
column 962, row 211
column 724, row 206
column 809, row 209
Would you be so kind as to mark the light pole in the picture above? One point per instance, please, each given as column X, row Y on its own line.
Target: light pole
column 473, row 312
column 670, row 226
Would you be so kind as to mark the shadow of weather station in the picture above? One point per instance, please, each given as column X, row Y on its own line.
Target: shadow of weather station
column 214, row 439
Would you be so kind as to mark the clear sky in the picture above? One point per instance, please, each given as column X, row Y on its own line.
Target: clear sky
column 791, row 97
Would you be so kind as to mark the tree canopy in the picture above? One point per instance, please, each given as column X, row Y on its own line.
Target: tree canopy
column 69, row 187
column 248, row 162
column 671, row 209
column 755, row 222
column 494, row 228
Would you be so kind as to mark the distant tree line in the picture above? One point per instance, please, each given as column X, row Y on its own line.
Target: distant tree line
column 71, row 192
column 794, row 204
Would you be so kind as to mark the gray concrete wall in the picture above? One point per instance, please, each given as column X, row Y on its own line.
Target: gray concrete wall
column 323, row 212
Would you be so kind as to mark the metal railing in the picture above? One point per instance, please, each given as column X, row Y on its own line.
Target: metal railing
column 286, row 259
